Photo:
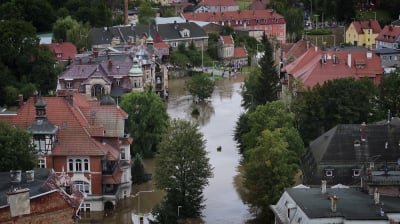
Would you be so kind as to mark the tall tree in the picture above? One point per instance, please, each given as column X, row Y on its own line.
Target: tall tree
column 389, row 98
column 146, row 13
column 269, row 169
column 138, row 172
column 182, row 170
column 17, row 151
column 147, row 120
column 43, row 72
column 262, row 86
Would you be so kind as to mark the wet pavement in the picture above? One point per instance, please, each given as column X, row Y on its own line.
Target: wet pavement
column 217, row 120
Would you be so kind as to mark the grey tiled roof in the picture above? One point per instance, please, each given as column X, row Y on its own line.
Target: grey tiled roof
column 338, row 143
column 35, row 187
column 171, row 31
column 352, row 204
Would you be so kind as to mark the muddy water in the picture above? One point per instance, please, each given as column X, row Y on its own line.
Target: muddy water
column 217, row 121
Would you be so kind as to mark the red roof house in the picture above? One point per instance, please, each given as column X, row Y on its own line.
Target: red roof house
column 317, row 66
column 389, row 37
column 265, row 20
column 63, row 51
column 86, row 139
column 229, row 53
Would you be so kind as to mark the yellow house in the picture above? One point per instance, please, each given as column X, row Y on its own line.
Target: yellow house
column 363, row 33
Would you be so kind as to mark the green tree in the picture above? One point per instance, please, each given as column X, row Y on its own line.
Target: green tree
column 201, row 86
column 138, row 172
column 182, row 169
column 146, row 12
column 269, row 169
column 388, row 91
column 147, row 120
column 70, row 30
column 43, row 73
column 61, row 27
column 17, row 151
column 338, row 101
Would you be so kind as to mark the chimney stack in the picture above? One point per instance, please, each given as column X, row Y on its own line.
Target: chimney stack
column 333, row 203
column 363, row 131
column 349, row 60
column 376, row 196
column 323, row 187
column 19, row 202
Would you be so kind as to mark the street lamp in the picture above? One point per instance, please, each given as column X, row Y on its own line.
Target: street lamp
column 138, row 195
column 316, row 21
column 179, row 206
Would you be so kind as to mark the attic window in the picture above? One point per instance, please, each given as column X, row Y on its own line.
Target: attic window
column 356, row 143
column 58, row 55
column 356, row 172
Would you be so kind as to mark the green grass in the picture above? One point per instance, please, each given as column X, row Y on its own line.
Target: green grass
column 243, row 4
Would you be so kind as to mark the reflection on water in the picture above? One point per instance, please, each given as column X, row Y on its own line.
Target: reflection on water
column 217, row 120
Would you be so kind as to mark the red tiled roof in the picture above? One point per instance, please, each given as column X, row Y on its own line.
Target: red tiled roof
column 75, row 131
column 218, row 3
column 159, row 45
column 310, row 70
column 227, row 39
column 66, row 49
column 370, row 24
column 230, row 15
column 114, row 179
column 292, row 51
column 389, row 34
column 240, row 52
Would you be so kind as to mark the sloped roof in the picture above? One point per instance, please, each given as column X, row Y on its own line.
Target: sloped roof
column 389, row 34
column 226, row 39
column 352, row 204
column 218, row 3
column 310, row 70
column 370, row 24
column 271, row 16
column 337, row 145
column 170, row 31
column 66, row 49
column 75, row 133
column 105, row 35
column 293, row 51
column 240, row 52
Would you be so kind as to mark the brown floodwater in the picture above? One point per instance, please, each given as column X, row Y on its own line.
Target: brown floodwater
column 216, row 120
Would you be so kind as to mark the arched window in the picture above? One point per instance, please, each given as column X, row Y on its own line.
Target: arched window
column 86, row 164
column 78, row 165
column 71, row 165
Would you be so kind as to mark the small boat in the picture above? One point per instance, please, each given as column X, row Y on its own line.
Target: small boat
column 219, row 148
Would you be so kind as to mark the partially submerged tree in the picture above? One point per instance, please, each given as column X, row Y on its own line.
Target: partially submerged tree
column 138, row 172
column 146, row 122
column 201, row 86
column 182, row 170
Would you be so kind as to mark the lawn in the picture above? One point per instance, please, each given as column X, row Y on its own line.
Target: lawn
column 243, row 4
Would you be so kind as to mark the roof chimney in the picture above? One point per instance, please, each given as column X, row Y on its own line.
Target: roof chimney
column 30, row 175
column 333, row 203
column 323, row 187
column 19, row 202
column 363, row 131
column 349, row 60
column 376, row 196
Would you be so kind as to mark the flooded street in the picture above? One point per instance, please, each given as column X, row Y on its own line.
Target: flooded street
column 217, row 121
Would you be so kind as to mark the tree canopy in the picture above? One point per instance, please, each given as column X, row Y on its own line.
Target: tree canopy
column 17, row 151
column 182, row 169
column 200, row 85
column 146, row 13
column 389, row 98
column 146, row 122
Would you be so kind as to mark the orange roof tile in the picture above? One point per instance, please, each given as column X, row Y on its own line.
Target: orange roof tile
column 240, row 52
column 227, row 39
column 310, row 69
column 370, row 24
column 66, row 49
column 389, row 34
column 270, row 15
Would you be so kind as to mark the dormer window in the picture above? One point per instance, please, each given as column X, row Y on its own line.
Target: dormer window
column 356, row 172
column 185, row 33
column 329, row 172
column 58, row 55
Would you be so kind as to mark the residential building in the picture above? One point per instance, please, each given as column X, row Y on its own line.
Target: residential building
column 63, row 52
column 317, row 66
column 38, row 196
column 176, row 33
column 196, row 9
column 230, row 54
column 349, row 152
column 117, row 72
column 390, row 58
column 389, row 37
column 264, row 21
column 216, row 6
column 304, row 205
column 363, row 33
column 86, row 139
